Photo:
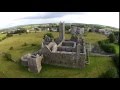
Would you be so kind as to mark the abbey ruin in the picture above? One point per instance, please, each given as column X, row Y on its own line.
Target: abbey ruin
column 61, row 52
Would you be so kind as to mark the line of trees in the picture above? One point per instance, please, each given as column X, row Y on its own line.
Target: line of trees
column 21, row 30
column 111, row 38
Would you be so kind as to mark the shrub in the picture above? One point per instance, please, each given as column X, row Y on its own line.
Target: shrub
column 50, row 30
column 3, row 38
column 116, row 60
column 110, row 73
column 103, row 42
column 9, row 35
column 74, row 38
column 111, row 38
column 49, row 35
column 109, row 48
column 90, row 30
column 33, row 44
column 21, row 30
column 106, row 46
column 19, row 33
column 11, row 48
column 8, row 56
column 25, row 44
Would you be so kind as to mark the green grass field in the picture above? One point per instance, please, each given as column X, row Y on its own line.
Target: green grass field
column 116, row 48
column 97, row 66
column 8, row 69
column 92, row 37
column 18, row 40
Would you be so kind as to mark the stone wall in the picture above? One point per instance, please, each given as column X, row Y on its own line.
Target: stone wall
column 34, row 64
column 69, row 43
column 67, row 49
column 66, row 59
column 24, row 59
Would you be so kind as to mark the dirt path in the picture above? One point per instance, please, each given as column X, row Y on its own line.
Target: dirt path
column 103, row 55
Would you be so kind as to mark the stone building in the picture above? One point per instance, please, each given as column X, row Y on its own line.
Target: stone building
column 76, row 30
column 61, row 52
column 33, row 62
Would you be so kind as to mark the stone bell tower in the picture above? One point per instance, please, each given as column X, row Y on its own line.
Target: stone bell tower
column 61, row 31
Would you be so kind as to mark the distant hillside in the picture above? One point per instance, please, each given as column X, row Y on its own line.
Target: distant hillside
column 86, row 26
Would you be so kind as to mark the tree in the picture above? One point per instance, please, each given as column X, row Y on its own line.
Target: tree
column 49, row 35
column 36, row 29
column 116, row 60
column 8, row 57
column 118, row 38
column 74, row 38
column 9, row 35
column 106, row 46
column 19, row 31
column 67, row 27
column 111, row 38
column 90, row 30
column 110, row 73
column 11, row 48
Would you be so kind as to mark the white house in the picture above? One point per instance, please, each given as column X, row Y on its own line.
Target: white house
column 2, row 32
column 47, row 29
column 28, row 31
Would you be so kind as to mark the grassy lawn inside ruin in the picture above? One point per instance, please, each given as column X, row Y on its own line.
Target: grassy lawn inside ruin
column 8, row 69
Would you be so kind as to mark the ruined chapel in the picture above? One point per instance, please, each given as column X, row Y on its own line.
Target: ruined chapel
column 60, row 52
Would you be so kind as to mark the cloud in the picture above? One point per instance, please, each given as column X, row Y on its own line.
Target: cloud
column 8, row 19
column 47, row 15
